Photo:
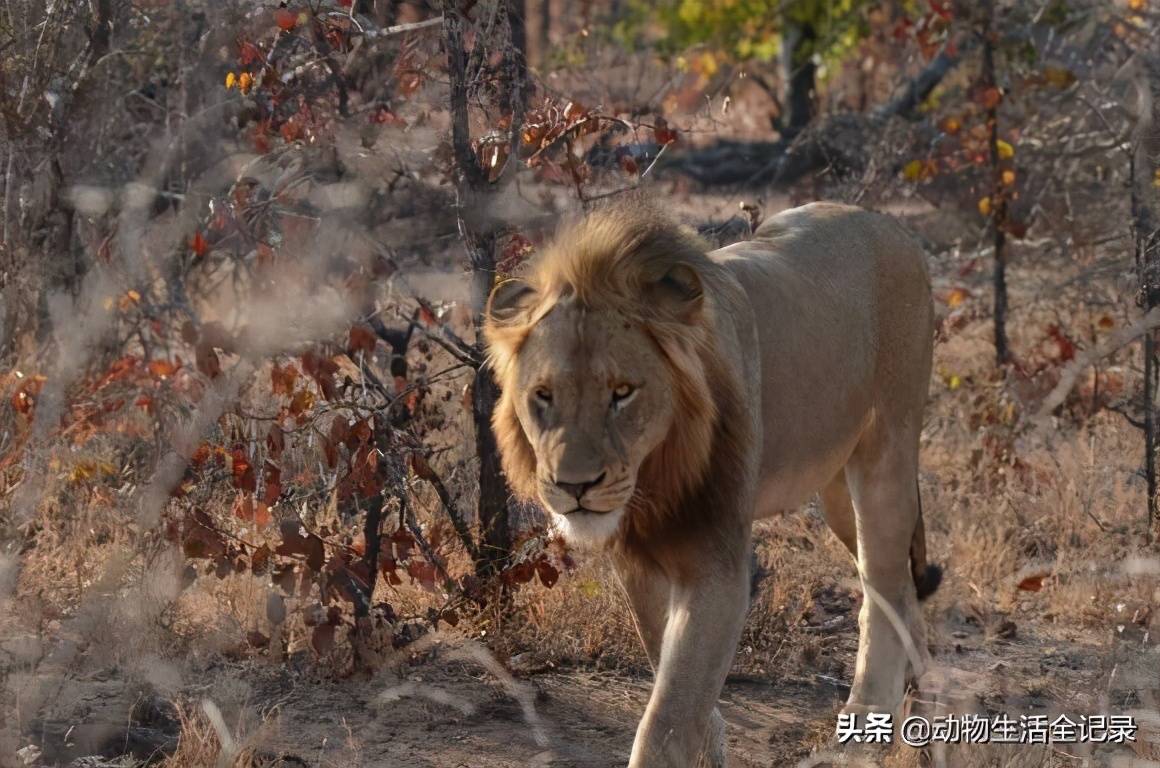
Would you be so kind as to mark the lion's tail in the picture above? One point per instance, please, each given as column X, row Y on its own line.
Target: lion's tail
column 927, row 576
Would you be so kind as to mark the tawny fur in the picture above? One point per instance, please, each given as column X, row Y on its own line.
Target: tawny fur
column 792, row 364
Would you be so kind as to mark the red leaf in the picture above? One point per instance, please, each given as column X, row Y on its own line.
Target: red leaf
column 206, row 359
column 294, row 543
column 360, row 434
column 322, row 639
column 1033, row 583
column 242, row 471
column 547, row 573
column 275, row 441
column 421, row 468
column 248, row 54
column 663, row 133
column 285, row 19
column 422, row 572
column 198, row 244
column 362, row 339
column 273, row 475
column 988, row 98
column 282, row 378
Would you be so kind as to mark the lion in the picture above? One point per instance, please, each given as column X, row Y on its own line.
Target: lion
column 657, row 398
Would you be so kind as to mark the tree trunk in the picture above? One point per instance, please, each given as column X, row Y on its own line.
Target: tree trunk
column 798, row 74
column 1145, row 164
column 480, row 232
column 998, row 196
column 545, row 29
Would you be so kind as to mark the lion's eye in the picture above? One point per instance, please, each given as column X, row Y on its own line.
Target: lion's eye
column 544, row 395
column 622, row 393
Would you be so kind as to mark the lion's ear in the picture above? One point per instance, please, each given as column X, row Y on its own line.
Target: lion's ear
column 508, row 300
column 679, row 293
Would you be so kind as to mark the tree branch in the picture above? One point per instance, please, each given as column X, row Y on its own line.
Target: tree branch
column 1121, row 338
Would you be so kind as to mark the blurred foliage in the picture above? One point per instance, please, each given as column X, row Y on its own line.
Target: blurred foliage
column 748, row 29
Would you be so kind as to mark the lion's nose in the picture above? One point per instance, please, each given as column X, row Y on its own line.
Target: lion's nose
column 579, row 489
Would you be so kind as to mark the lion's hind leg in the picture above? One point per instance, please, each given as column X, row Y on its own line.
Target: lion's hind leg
column 838, row 510
column 882, row 480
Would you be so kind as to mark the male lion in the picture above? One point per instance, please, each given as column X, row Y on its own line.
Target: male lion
column 657, row 399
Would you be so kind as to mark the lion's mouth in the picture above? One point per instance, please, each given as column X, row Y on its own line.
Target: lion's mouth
column 586, row 510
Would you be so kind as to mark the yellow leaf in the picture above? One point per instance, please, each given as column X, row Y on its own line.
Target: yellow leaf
column 956, row 297
column 1008, row 178
column 1058, row 77
column 126, row 302
column 231, row 80
column 589, row 588
column 912, row 171
column 706, row 64
column 954, row 382
column 1006, row 151
column 1137, row 5
column 245, row 82
column 985, row 206
column 1156, row 178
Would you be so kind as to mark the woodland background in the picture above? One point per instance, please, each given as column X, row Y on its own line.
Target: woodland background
column 250, row 510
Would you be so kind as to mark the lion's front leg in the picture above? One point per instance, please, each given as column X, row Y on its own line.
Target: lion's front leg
column 648, row 591
column 706, row 610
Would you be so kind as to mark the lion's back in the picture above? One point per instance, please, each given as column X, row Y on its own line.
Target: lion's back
column 841, row 303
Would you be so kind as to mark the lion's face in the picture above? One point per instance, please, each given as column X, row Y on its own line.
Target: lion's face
column 605, row 407
column 595, row 399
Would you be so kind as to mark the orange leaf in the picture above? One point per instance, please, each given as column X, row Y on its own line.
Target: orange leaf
column 956, row 296
column 302, row 401
column 163, row 369
column 262, row 516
